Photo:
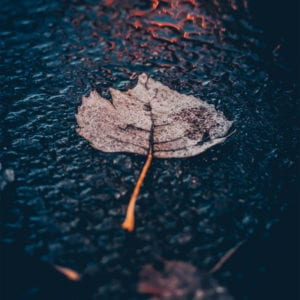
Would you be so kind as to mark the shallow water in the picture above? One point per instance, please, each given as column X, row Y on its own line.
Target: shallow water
column 67, row 200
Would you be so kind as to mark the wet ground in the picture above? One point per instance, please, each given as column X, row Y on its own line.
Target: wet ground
column 62, row 202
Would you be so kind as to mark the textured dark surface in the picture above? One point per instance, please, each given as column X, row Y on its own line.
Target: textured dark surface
column 66, row 201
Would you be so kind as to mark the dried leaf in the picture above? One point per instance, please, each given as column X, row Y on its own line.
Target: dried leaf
column 69, row 273
column 176, row 280
column 150, row 119
column 151, row 115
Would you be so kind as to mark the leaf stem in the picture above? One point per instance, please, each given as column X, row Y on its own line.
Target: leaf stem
column 128, row 223
column 226, row 257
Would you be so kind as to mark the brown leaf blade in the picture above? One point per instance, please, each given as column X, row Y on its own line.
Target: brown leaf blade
column 177, row 280
column 176, row 125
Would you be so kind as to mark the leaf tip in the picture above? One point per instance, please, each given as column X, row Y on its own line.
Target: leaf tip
column 143, row 78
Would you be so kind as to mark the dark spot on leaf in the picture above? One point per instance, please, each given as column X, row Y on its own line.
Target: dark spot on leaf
column 147, row 107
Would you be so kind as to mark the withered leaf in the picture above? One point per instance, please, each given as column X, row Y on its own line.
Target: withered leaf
column 151, row 116
column 150, row 119
column 69, row 273
column 177, row 280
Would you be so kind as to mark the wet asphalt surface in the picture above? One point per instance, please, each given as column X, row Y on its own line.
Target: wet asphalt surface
column 62, row 202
